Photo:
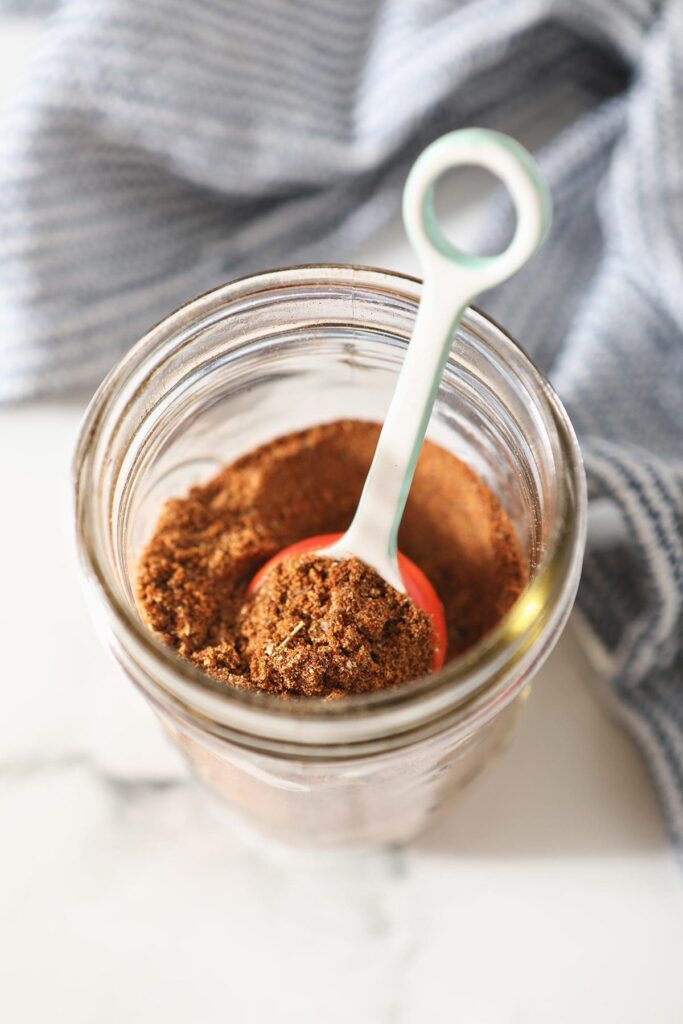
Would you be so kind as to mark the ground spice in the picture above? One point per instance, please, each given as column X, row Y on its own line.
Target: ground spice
column 317, row 627
column 206, row 547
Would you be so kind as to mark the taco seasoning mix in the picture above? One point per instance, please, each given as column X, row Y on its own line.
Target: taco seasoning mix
column 316, row 627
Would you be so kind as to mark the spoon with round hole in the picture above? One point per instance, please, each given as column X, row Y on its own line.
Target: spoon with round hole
column 452, row 280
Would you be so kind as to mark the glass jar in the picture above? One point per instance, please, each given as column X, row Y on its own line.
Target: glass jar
column 279, row 352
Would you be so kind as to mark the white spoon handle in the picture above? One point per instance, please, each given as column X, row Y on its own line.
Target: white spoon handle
column 452, row 279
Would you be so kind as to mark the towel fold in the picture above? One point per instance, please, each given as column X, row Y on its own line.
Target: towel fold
column 160, row 148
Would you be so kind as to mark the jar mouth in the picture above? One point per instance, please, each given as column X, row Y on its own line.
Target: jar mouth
column 465, row 692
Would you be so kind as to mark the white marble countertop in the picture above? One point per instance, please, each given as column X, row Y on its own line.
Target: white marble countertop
column 549, row 894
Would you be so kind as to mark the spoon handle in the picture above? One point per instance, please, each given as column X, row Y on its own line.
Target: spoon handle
column 452, row 279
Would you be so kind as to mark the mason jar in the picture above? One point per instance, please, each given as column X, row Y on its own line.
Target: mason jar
column 279, row 352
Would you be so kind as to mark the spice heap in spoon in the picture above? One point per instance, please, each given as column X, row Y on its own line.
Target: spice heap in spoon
column 324, row 627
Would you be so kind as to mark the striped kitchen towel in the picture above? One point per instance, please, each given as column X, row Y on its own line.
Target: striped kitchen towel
column 161, row 147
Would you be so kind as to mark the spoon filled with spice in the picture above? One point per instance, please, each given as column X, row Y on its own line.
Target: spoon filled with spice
column 452, row 280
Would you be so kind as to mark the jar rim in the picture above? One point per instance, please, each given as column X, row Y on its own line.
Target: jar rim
column 465, row 692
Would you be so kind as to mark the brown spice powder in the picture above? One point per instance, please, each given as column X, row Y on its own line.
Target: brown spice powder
column 323, row 628
column 194, row 573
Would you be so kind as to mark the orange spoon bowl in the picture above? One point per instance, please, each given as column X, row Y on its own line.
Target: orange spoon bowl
column 418, row 587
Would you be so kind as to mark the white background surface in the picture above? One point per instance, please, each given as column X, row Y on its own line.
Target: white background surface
column 549, row 895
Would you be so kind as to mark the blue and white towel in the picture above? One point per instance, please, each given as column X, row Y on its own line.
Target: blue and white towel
column 161, row 147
